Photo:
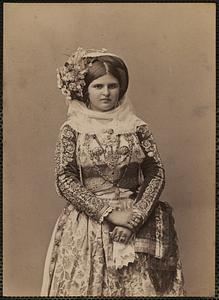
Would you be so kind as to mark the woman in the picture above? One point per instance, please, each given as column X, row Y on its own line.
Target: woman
column 114, row 237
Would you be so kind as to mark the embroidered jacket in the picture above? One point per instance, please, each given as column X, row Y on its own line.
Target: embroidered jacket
column 87, row 165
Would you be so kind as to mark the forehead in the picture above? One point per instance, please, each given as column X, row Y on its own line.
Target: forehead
column 108, row 78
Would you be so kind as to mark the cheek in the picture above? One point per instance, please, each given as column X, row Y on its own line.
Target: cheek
column 116, row 93
column 92, row 93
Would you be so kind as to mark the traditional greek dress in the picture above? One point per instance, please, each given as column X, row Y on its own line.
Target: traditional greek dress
column 100, row 163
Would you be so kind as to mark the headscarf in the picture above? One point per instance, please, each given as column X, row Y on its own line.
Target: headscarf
column 122, row 119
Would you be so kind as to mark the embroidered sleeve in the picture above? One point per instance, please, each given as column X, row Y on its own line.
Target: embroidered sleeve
column 154, row 178
column 68, row 183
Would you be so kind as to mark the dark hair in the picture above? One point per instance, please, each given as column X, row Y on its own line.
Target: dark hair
column 107, row 64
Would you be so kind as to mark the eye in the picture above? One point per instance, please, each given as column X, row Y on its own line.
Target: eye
column 98, row 86
column 113, row 85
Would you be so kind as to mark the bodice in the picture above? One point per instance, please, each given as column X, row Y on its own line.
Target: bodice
column 108, row 160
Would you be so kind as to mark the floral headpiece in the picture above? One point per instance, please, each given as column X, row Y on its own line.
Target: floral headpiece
column 70, row 77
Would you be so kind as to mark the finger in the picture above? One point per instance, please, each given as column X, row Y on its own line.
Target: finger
column 116, row 238
column 130, row 237
column 113, row 233
column 119, row 234
column 123, row 239
column 126, row 238
column 129, row 204
column 125, row 205
column 116, row 235
column 114, row 230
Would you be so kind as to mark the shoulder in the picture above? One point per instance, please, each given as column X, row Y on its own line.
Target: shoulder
column 67, row 132
column 143, row 131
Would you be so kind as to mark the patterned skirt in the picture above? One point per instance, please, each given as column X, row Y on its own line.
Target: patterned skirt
column 79, row 262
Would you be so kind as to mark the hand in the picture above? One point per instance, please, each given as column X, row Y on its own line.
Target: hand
column 122, row 204
column 121, row 234
column 120, row 217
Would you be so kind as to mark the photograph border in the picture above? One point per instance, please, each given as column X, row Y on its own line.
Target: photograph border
column 217, row 150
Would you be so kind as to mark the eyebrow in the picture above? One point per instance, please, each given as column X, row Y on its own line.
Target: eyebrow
column 113, row 82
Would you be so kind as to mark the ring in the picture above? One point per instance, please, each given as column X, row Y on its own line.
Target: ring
column 122, row 238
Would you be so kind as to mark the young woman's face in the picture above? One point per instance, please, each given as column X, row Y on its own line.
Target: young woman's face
column 104, row 93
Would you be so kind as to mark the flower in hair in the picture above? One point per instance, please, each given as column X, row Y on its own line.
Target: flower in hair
column 70, row 77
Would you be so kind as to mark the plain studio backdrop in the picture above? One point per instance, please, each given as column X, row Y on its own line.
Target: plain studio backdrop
column 170, row 53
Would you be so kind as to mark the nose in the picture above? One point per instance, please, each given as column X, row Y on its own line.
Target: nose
column 106, row 90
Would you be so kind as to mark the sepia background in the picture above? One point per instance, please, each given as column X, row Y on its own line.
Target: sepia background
column 170, row 53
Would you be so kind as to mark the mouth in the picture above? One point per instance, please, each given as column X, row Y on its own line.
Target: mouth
column 106, row 99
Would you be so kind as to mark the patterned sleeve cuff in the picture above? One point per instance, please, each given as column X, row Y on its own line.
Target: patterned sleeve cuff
column 104, row 213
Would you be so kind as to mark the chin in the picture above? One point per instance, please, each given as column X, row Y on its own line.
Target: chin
column 107, row 109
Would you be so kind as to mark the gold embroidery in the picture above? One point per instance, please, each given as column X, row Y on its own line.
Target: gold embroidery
column 156, row 184
column 67, row 182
